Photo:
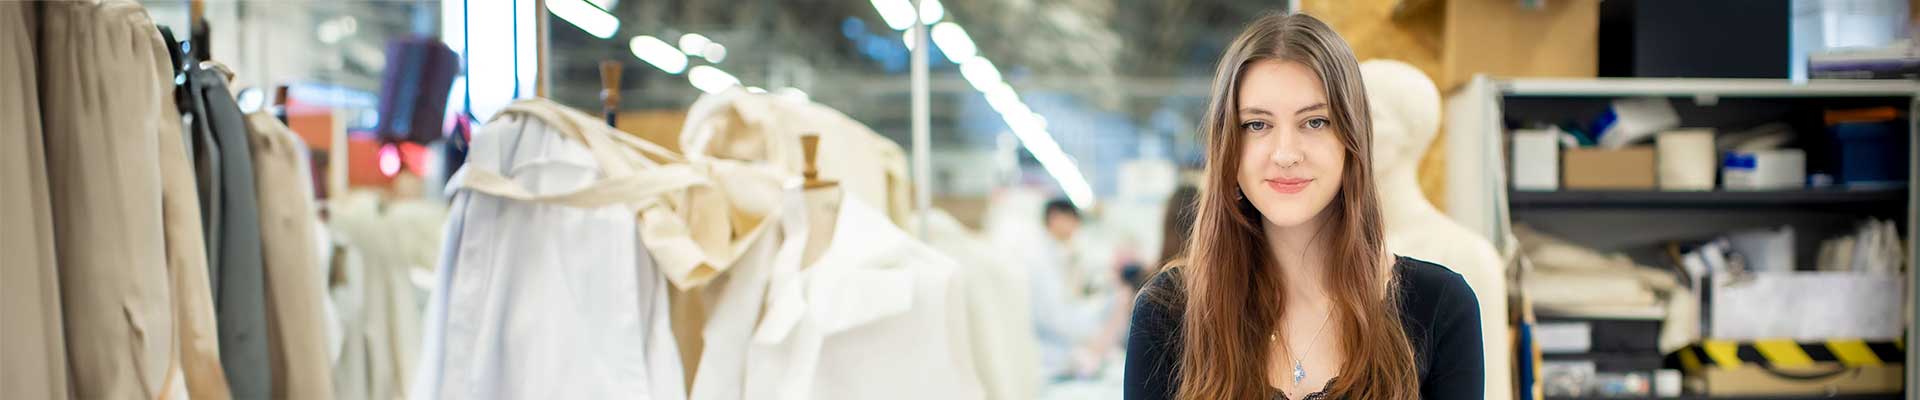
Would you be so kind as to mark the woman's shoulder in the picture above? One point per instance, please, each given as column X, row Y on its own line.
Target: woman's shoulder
column 1161, row 303
column 1430, row 289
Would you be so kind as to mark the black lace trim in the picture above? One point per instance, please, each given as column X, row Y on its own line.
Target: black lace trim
column 1320, row 395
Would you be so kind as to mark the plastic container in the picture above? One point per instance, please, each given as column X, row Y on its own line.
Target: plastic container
column 1870, row 153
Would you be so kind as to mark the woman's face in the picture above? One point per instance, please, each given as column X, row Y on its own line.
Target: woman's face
column 1291, row 158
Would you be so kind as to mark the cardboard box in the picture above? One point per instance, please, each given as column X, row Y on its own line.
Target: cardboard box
column 1631, row 168
column 1514, row 39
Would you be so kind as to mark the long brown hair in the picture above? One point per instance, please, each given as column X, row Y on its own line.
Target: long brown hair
column 1233, row 292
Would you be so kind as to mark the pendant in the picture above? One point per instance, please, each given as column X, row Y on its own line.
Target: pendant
column 1299, row 373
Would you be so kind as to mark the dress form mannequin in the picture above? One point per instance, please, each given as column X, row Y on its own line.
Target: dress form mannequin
column 1406, row 116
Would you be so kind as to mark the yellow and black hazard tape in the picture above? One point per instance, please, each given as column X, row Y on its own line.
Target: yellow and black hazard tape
column 1728, row 354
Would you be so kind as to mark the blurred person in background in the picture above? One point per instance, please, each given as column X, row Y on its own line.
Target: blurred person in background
column 1079, row 314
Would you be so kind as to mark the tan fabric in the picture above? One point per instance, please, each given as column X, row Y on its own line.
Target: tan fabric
column 690, row 240
column 33, row 359
column 102, row 102
column 296, row 327
column 194, row 320
column 738, row 125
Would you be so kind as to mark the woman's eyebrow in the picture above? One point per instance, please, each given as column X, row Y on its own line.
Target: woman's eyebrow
column 1304, row 110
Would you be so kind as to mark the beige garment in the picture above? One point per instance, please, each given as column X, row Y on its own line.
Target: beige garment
column 33, row 359
column 193, row 318
column 104, row 87
column 296, row 328
column 378, row 305
column 1005, row 351
column 761, row 127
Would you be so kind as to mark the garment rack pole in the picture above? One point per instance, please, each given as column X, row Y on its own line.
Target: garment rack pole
column 922, row 135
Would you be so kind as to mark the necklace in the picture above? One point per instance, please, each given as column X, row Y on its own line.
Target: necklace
column 1299, row 370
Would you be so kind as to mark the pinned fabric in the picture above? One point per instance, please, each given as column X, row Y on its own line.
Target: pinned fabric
column 874, row 290
column 611, row 221
column 698, row 217
column 737, row 125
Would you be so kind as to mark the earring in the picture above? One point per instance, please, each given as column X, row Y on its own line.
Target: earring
column 1239, row 194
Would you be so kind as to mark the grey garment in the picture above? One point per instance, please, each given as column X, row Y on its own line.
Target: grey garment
column 239, row 277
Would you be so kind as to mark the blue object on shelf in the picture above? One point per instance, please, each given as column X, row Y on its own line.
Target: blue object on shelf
column 1870, row 153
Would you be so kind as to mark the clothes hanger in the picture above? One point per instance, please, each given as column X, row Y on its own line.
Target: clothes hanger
column 610, row 91
column 823, row 198
column 199, row 37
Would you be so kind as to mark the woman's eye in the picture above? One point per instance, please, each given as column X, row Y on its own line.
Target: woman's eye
column 1318, row 123
column 1255, row 126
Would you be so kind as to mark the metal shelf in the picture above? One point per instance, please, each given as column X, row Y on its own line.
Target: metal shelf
column 1696, row 87
column 1783, row 397
column 1889, row 198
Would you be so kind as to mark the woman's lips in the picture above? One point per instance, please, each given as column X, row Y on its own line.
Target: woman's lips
column 1288, row 185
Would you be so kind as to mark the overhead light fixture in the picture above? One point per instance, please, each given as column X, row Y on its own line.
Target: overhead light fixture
column 954, row 42
column 657, row 53
column 714, row 53
column 693, row 43
column 907, row 37
column 980, row 73
column 756, row 90
column 711, row 80
column 897, row 13
column 586, row 16
column 931, row 11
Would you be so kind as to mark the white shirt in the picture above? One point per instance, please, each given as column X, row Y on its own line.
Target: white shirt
column 878, row 316
column 544, row 300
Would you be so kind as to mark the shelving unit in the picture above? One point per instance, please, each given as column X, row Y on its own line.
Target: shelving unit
column 1626, row 221
column 1816, row 198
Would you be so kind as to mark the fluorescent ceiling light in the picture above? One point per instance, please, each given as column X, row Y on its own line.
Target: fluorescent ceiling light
column 585, row 16
column 980, row 72
column 931, row 11
column 954, row 42
column 693, row 43
column 657, row 53
column 714, row 53
column 711, row 80
column 907, row 37
column 897, row 13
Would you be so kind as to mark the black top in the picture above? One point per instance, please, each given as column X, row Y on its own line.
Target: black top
column 1437, row 308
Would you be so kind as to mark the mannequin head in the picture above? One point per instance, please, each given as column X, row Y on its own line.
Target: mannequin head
column 1406, row 113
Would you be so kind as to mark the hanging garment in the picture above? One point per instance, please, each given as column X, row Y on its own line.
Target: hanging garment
column 547, row 290
column 877, row 316
column 194, row 320
column 33, row 359
column 104, row 83
column 999, row 314
column 377, row 304
column 714, row 323
column 238, row 278
column 738, row 125
column 294, row 286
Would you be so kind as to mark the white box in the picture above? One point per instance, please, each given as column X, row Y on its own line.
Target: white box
column 1686, row 159
column 1536, row 160
column 1779, row 169
column 1807, row 306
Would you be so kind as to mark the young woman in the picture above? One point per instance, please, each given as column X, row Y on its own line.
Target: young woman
column 1287, row 290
